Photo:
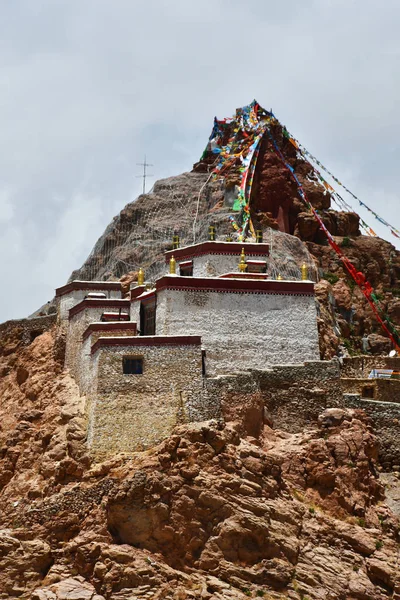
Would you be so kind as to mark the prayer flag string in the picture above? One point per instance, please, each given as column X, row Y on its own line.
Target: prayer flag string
column 357, row 276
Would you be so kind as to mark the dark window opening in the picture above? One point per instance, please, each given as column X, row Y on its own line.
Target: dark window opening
column 368, row 391
column 35, row 334
column 203, row 362
column 147, row 319
column 132, row 366
column 256, row 267
column 186, row 271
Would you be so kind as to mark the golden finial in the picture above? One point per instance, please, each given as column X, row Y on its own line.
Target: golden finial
column 229, row 238
column 211, row 233
column 259, row 236
column 140, row 277
column 172, row 265
column 279, row 278
column 175, row 242
column 242, row 263
column 304, row 272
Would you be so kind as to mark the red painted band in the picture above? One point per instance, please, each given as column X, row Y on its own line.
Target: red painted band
column 92, row 303
column 244, row 276
column 145, row 298
column 112, row 326
column 247, row 286
column 137, row 290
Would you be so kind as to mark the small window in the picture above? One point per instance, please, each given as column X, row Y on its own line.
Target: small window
column 186, row 271
column 186, row 268
column 132, row 366
column 368, row 391
column 256, row 266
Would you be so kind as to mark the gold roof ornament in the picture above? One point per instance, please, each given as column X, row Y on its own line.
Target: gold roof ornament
column 140, row 277
column 229, row 238
column 172, row 265
column 175, row 242
column 279, row 278
column 304, row 272
column 259, row 236
column 242, row 263
column 211, row 233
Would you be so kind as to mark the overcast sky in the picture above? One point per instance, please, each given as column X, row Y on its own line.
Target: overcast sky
column 87, row 87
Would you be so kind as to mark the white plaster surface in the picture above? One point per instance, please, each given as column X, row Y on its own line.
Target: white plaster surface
column 76, row 328
column 242, row 330
column 213, row 265
column 68, row 301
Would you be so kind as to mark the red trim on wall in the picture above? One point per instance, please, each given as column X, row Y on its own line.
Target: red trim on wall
column 88, row 285
column 237, row 285
column 230, row 248
column 111, row 317
column 112, row 326
column 146, row 297
column 156, row 340
column 105, row 303
column 244, row 276
column 137, row 290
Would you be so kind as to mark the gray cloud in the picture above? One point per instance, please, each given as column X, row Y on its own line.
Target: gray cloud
column 88, row 86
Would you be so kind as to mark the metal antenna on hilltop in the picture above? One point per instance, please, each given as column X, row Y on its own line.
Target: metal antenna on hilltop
column 145, row 174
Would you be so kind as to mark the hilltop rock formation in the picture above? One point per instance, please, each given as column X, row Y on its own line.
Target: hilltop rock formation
column 189, row 203
column 220, row 510
column 211, row 513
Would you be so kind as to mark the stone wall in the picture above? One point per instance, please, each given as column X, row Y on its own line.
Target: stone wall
column 132, row 412
column 242, row 330
column 295, row 395
column 237, row 398
column 386, row 390
column 81, row 317
column 29, row 328
column 85, row 362
column 385, row 417
column 361, row 366
column 76, row 327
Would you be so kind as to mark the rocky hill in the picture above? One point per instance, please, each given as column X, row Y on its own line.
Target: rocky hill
column 189, row 203
column 220, row 510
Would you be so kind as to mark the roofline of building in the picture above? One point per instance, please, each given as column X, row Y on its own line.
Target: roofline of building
column 152, row 340
column 109, row 326
column 98, row 303
column 209, row 247
column 236, row 286
column 145, row 297
column 88, row 285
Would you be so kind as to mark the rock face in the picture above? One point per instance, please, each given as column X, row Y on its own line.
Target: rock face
column 189, row 203
column 220, row 510
column 346, row 315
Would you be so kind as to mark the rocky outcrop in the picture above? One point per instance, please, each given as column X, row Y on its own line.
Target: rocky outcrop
column 219, row 510
column 189, row 203
column 346, row 312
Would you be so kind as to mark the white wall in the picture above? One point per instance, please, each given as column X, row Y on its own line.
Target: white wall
column 68, row 301
column 242, row 330
column 213, row 265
